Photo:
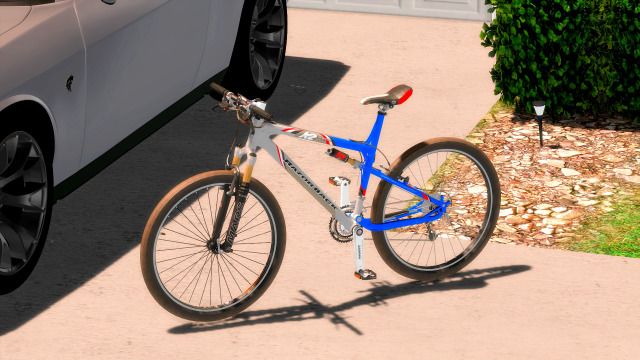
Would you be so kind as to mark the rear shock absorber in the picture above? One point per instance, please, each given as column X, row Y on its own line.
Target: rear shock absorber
column 344, row 157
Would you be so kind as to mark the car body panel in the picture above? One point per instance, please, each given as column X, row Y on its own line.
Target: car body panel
column 40, row 73
column 129, row 62
column 224, row 16
column 133, row 73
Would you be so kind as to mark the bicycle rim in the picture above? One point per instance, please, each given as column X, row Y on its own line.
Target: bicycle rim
column 192, row 275
column 457, row 176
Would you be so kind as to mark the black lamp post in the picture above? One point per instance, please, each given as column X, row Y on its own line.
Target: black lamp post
column 538, row 106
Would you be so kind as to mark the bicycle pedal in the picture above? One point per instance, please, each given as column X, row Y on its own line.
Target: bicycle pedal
column 365, row 274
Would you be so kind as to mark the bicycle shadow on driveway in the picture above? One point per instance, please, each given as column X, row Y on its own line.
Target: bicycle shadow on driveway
column 103, row 220
column 377, row 295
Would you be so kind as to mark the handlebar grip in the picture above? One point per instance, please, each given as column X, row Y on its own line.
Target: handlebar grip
column 261, row 113
column 218, row 89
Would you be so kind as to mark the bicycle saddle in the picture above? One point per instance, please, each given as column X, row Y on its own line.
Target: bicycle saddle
column 395, row 96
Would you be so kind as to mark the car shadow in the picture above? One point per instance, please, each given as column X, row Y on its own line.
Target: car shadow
column 103, row 220
column 377, row 295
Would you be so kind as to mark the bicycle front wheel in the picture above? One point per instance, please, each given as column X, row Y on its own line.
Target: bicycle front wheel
column 445, row 167
column 195, row 280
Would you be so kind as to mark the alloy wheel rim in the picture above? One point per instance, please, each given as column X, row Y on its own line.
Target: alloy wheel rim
column 266, row 41
column 23, row 200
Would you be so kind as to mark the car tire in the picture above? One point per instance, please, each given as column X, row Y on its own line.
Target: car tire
column 26, row 198
column 259, row 51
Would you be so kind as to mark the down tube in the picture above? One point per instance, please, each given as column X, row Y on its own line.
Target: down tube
column 296, row 172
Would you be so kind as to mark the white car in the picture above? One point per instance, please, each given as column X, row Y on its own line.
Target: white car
column 83, row 81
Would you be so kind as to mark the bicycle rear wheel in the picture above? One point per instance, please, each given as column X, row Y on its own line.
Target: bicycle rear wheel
column 195, row 280
column 460, row 172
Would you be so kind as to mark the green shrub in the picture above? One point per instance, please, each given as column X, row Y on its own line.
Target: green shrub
column 580, row 56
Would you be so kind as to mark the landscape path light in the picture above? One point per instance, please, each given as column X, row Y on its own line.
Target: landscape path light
column 538, row 106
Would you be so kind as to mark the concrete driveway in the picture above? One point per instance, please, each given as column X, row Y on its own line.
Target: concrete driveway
column 86, row 299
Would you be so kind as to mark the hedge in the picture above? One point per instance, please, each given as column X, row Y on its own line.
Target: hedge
column 581, row 56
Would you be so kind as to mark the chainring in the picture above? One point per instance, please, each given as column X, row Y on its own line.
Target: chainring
column 338, row 233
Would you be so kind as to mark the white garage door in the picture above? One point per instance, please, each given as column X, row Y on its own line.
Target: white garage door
column 453, row 9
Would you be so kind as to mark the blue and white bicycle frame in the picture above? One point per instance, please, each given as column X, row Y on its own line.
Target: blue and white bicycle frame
column 260, row 137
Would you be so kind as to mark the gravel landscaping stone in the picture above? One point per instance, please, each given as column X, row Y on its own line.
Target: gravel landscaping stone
column 548, row 191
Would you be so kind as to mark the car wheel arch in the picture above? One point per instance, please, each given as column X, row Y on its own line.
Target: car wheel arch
column 34, row 115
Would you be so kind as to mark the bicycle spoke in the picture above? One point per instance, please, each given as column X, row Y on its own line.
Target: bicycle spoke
column 206, row 228
column 238, row 271
column 204, row 289
column 424, row 243
column 243, row 265
column 412, row 251
column 197, row 218
column 211, row 282
column 252, row 252
column 188, row 269
column 253, row 227
column 251, row 237
column 225, row 282
column 244, row 257
column 180, row 248
column 219, row 284
column 189, row 276
column 246, row 211
column 429, row 256
column 178, row 242
column 196, row 277
column 450, row 176
column 204, row 237
column 178, row 257
column 424, row 183
column 184, row 227
column 243, row 226
column 230, row 273
column 179, row 233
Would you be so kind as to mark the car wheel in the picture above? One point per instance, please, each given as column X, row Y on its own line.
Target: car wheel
column 259, row 51
column 26, row 195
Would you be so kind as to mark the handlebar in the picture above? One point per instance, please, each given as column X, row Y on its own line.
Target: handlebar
column 218, row 89
column 231, row 101
column 261, row 113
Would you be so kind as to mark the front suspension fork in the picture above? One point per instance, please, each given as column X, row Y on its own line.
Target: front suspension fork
column 239, row 188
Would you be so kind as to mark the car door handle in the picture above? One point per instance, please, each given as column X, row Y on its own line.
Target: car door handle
column 109, row 2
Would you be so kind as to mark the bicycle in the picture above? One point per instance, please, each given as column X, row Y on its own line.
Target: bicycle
column 223, row 230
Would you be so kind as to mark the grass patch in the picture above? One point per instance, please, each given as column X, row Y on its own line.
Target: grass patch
column 615, row 233
column 498, row 107
column 501, row 106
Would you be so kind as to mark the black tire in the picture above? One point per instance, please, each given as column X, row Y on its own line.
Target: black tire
column 254, row 49
column 26, row 199
column 190, row 232
column 480, row 232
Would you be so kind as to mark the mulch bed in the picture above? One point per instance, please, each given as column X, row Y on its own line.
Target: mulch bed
column 584, row 166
